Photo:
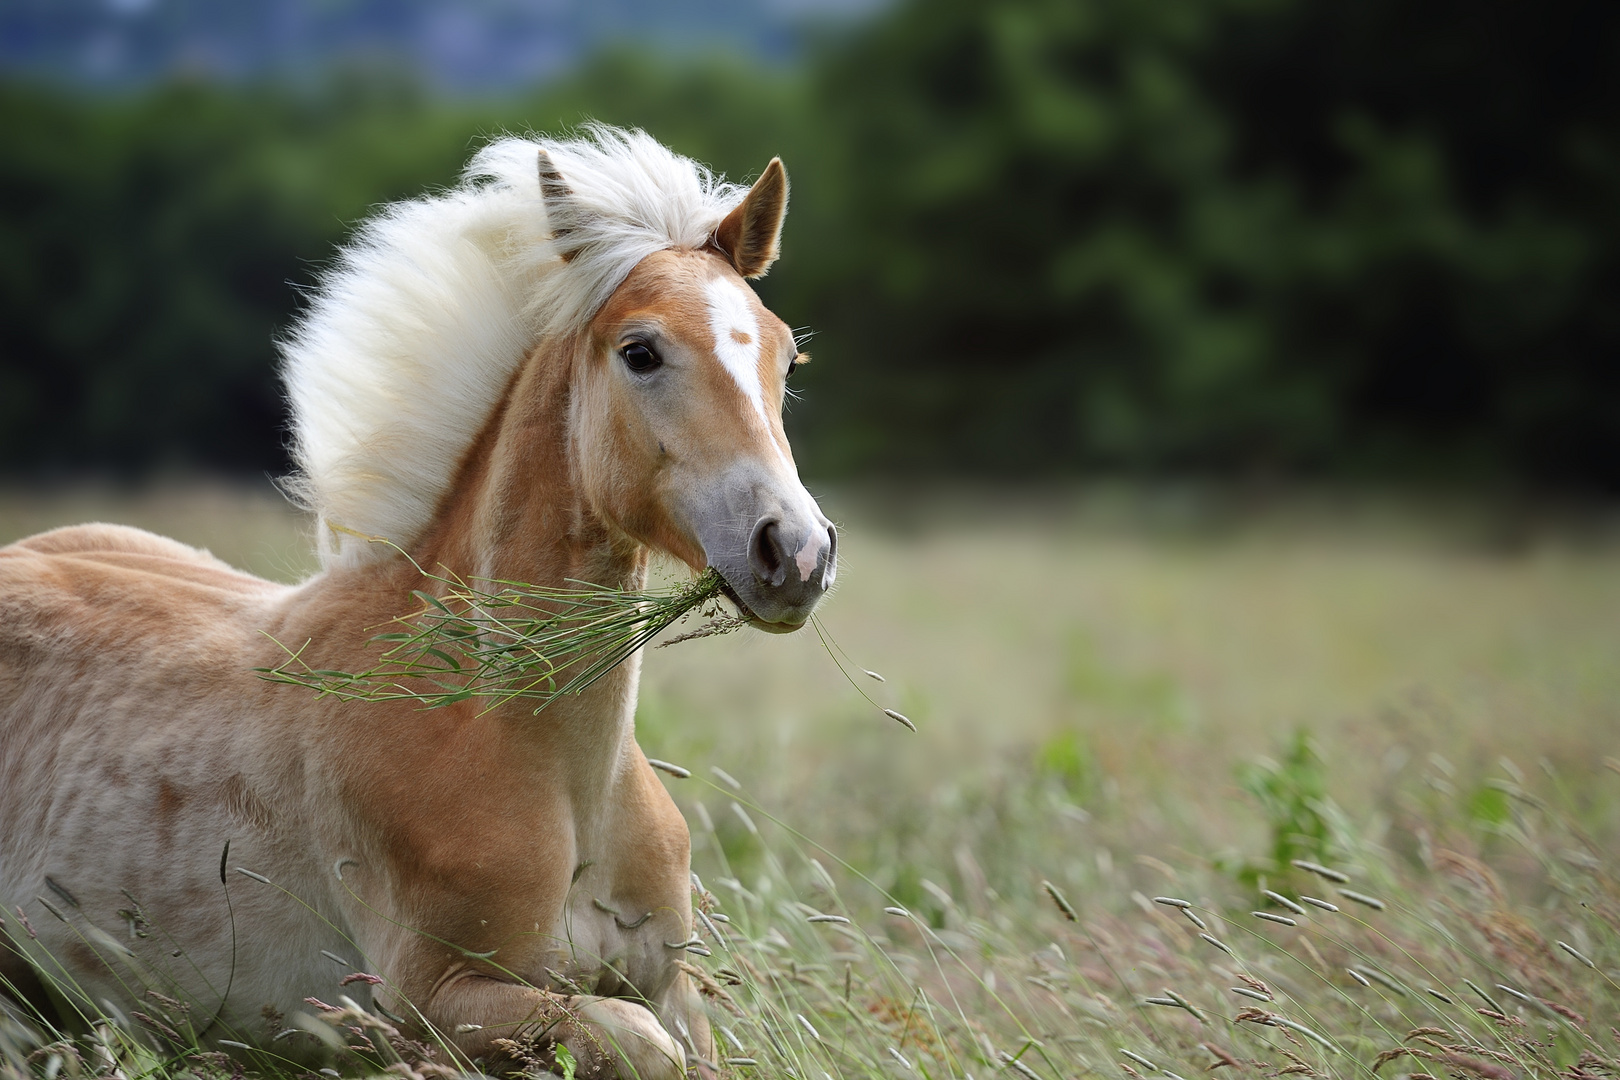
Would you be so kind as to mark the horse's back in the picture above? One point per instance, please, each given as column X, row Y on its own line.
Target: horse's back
column 91, row 597
column 122, row 545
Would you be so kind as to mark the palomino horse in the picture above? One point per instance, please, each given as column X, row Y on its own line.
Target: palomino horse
column 543, row 375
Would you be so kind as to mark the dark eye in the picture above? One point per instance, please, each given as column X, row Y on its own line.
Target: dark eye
column 639, row 357
column 798, row 362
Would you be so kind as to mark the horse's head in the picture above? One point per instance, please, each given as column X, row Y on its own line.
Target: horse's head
column 677, row 417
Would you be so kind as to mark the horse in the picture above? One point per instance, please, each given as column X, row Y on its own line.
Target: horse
column 547, row 374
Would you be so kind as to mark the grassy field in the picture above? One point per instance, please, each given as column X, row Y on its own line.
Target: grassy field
column 1123, row 696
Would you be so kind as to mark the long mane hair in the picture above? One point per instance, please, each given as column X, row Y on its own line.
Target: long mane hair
column 414, row 333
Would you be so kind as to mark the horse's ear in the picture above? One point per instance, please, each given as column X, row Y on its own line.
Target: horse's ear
column 750, row 236
column 562, row 212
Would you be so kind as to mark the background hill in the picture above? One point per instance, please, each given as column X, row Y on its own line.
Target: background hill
column 465, row 46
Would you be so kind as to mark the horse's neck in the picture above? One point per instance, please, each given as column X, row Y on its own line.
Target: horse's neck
column 517, row 513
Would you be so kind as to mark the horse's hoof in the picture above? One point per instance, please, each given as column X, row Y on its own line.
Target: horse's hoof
column 625, row 1041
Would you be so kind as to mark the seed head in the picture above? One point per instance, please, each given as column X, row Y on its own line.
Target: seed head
column 1184, row 1003
column 1284, row 901
column 1323, row 871
column 1060, row 900
column 1577, row 954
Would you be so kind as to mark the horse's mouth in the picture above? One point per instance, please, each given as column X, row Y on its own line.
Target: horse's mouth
column 753, row 619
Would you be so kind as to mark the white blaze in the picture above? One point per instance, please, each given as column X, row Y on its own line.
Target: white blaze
column 737, row 345
column 736, row 339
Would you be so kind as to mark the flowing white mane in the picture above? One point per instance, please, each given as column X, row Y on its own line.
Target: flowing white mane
column 414, row 334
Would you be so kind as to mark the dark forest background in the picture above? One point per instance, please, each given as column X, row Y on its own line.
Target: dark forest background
column 1298, row 238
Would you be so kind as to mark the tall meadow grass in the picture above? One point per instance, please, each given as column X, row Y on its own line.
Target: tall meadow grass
column 1299, row 799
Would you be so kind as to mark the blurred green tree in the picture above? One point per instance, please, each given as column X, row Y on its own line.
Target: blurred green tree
column 148, row 255
column 1036, row 236
column 1240, row 235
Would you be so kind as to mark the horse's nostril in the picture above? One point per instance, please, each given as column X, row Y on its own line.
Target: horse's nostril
column 829, row 561
column 765, row 555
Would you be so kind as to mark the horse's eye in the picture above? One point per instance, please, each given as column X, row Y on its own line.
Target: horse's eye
column 797, row 362
column 639, row 358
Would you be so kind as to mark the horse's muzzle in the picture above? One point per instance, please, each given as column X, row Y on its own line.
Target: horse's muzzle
column 790, row 571
column 777, row 562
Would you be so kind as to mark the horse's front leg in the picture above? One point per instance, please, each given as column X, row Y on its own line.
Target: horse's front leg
column 610, row 1038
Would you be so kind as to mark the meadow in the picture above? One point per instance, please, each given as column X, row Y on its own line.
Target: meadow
column 1119, row 696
